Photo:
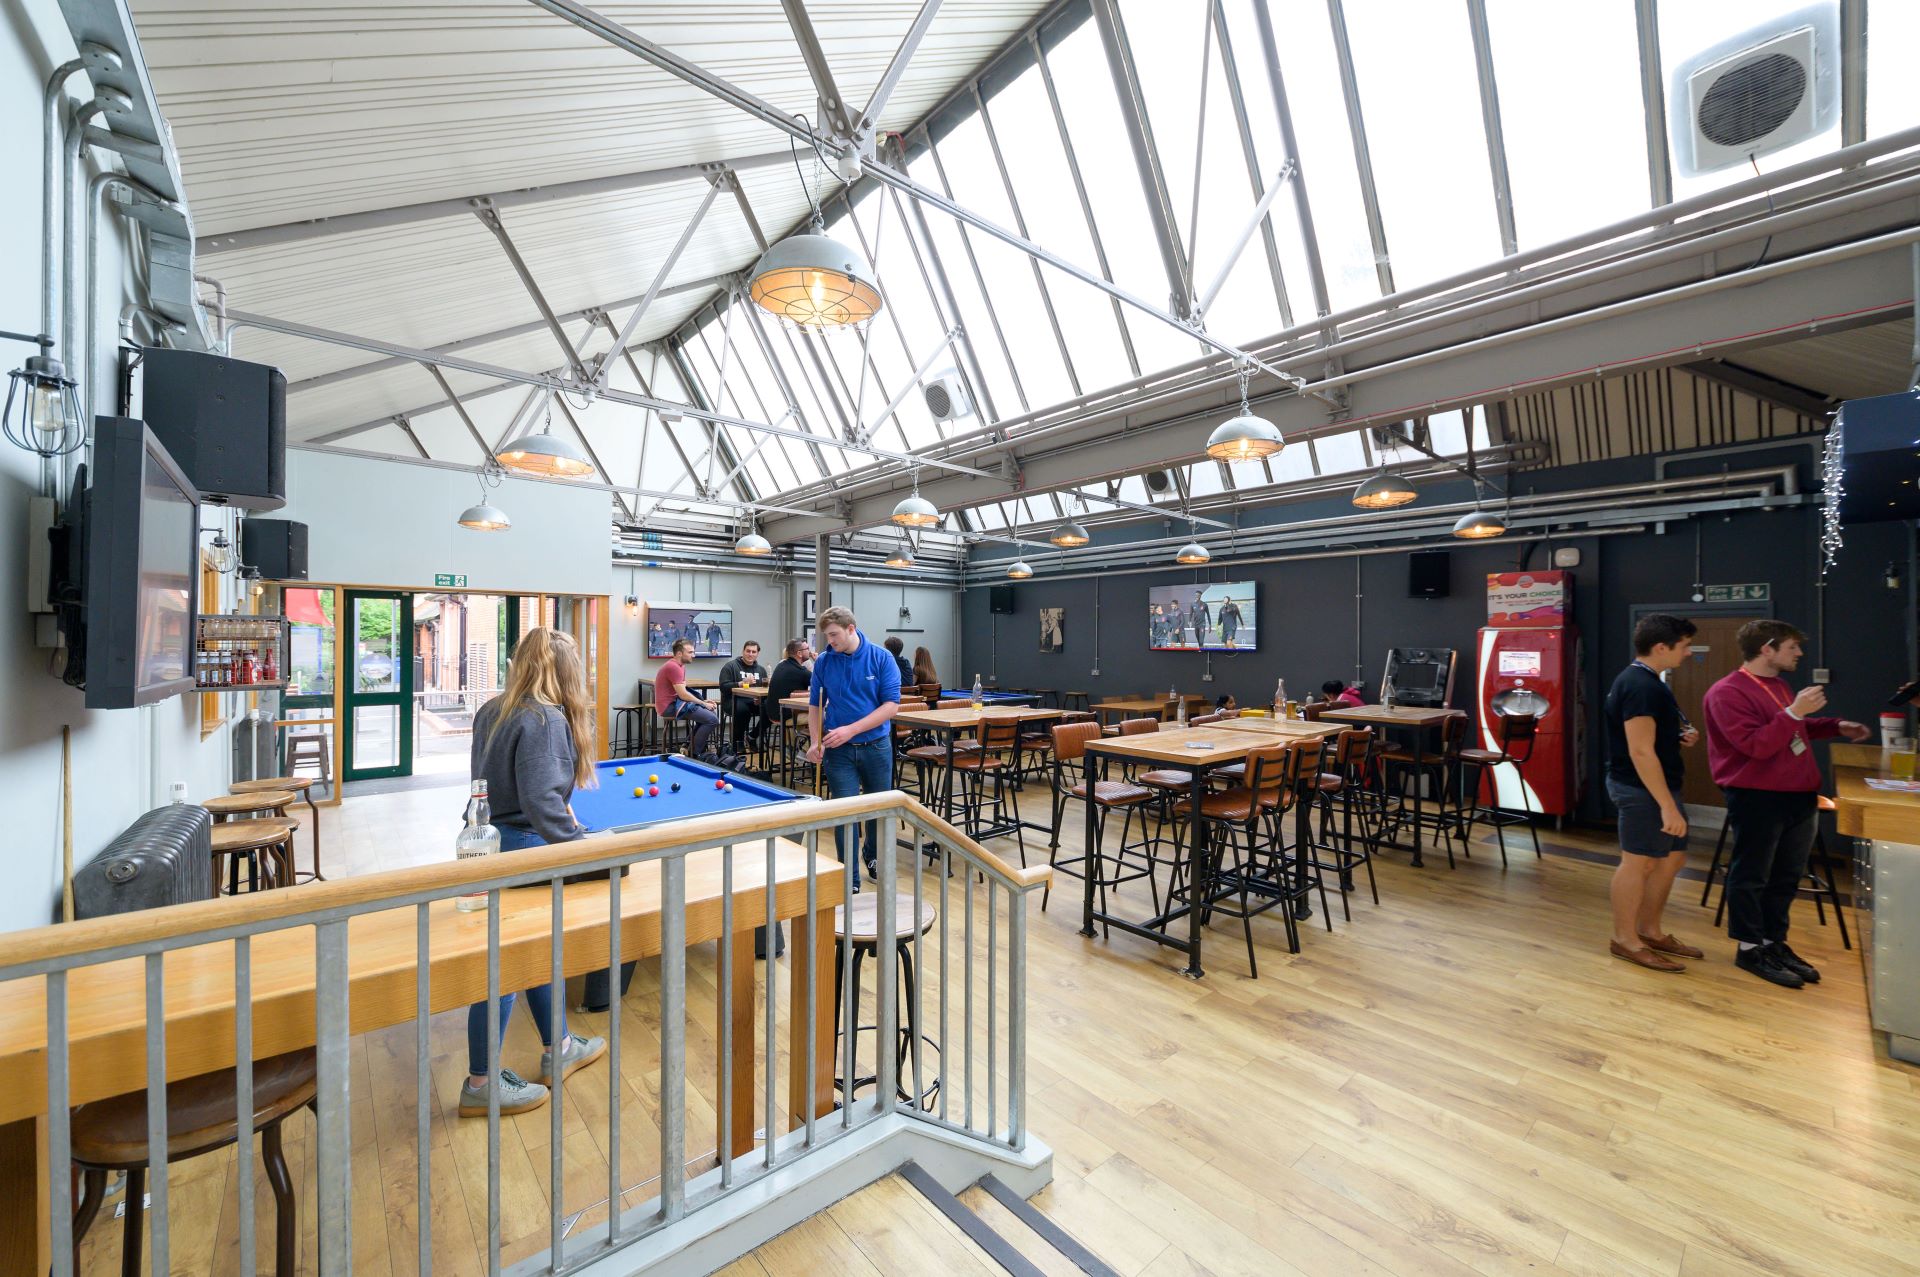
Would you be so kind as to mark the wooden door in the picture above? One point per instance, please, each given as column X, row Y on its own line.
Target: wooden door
column 1715, row 655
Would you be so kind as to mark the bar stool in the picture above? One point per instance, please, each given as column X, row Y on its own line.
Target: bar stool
column 248, row 838
column 1514, row 730
column 1075, row 701
column 111, row 1135
column 1073, row 778
column 227, row 808
column 301, row 785
column 1820, row 878
column 309, row 748
column 998, row 755
column 1344, row 784
column 862, row 932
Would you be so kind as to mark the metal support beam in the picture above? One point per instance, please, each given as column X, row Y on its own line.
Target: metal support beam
column 897, row 66
column 1853, row 71
column 491, row 220
column 1160, row 511
column 466, row 419
column 716, row 442
column 1490, row 118
column 1653, row 102
column 1302, row 207
column 1146, row 157
column 566, row 410
column 433, row 210
column 1257, row 221
column 1362, row 153
column 834, row 111
column 1781, row 394
column 660, row 278
column 1020, row 224
column 666, row 427
column 1249, row 154
column 732, row 181
column 939, row 287
column 406, row 428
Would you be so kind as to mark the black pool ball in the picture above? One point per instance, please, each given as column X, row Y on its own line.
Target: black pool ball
column 676, row 786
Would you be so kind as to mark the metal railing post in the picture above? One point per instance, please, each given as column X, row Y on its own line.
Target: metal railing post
column 1017, row 1021
column 673, row 1038
column 243, row 1092
column 333, row 1147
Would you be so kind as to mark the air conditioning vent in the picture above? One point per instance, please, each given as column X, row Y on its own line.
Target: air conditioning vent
column 946, row 396
column 1158, row 482
column 1760, row 92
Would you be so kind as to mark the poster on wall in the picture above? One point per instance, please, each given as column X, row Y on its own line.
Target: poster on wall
column 1526, row 600
column 1053, row 632
column 708, row 628
column 1212, row 617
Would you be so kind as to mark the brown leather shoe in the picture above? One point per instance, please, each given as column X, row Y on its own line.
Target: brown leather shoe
column 1643, row 957
column 1668, row 945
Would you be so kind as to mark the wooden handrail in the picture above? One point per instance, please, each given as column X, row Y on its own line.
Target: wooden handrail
column 146, row 926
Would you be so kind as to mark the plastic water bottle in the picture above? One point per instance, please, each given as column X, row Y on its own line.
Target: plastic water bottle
column 979, row 693
column 1180, row 711
column 478, row 838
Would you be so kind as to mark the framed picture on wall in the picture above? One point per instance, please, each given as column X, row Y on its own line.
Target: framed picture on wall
column 808, row 601
column 1053, row 633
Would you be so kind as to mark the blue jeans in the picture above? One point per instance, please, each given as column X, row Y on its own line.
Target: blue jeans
column 539, row 1000
column 859, row 769
column 704, row 720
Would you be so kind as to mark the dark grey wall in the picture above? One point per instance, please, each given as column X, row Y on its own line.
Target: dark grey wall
column 1307, row 613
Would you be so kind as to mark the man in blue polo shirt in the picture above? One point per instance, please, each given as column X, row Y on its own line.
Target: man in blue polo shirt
column 858, row 684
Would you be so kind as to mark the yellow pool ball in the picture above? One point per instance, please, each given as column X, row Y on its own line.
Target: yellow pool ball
column 619, row 771
column 653, row 780
column 637, row 792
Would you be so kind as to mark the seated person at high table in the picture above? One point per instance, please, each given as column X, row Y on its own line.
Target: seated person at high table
column 1337, row 692
column 790, row 677
column 673, row 700
column 743, row 670
column 1225, row 704
column 894, row 645
column 533, row 745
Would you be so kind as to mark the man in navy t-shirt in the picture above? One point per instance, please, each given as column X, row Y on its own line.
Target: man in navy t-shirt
column 1645, row 731
column 854, row 695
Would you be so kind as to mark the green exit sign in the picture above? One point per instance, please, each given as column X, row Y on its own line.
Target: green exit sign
column 448, row 581
column 1757, row 593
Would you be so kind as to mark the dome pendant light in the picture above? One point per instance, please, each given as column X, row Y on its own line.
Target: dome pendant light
column 814, row 282
column 1478, row 524
column 752, row 543
column 1245, row 437
column 1071, row 533
column 902, row 556
column 545, row 455
column 1384, row 491
column 484, row 516
column 1020, row 570
column 916, row 511
column 1192, row 553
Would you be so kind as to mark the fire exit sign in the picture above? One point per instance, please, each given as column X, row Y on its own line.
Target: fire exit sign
column 449, row 581
column 1757, row 593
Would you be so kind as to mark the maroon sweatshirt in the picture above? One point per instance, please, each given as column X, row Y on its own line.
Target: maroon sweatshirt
column 1750, row 736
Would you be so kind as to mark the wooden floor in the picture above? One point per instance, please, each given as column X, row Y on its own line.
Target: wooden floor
column 1459, row 1080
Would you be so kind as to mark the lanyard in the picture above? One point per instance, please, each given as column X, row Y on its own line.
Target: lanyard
column 1773, row 693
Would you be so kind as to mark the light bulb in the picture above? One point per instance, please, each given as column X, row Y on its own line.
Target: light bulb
column 46, row 410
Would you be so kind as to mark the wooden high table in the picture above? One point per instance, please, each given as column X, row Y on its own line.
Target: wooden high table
column 949, row 725
column 106, row 1003
column 1196, row 750
column 1414, row 720
column 1144, row 706
column 1887, row 868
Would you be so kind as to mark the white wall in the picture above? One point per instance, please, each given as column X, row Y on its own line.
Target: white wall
column 123, row 760
column 390, row 523
column 767, row 609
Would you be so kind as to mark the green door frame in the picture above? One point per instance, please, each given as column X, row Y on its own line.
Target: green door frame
column 352, row 698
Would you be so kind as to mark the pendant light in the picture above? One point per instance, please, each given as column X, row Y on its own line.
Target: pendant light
column 1192, row 553
column 1020, row 571
column 916, row 511
column 1071, row 533
column 484, row 516
column 751, row 543
column 545, row 455
column 902, row 556
column 1244, row 437
column 1479, row 524
column 811, row 280
column 1386, row 490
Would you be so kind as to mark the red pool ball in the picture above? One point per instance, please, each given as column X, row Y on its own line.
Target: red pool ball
column 653, row 791
column 719, row 784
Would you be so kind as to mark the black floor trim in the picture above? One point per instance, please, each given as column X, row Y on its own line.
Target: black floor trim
column 1058, row 1238
column 978, row 1230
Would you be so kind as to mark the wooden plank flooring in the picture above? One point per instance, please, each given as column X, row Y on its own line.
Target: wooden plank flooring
column 1458, row 1081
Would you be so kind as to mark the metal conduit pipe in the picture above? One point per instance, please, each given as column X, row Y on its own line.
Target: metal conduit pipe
column 802, row 570
column 97, row 188
column 1214, row 370
column 53, row 146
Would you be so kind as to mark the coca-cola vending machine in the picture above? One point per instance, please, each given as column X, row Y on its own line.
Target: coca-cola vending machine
column 1531, row 662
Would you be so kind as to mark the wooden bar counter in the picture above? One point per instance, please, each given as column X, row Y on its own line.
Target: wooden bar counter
column 1886, row 826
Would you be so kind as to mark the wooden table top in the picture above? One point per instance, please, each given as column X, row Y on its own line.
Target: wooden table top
column 796, row 701
column 1398, row 716
column 964, row 716
column 1190, row 747
column 253, row 800
column 251, row 835
column 1292, row 728
column 1150, row 704
column 754, row 692
column 1861, row 811
column 107, row 1002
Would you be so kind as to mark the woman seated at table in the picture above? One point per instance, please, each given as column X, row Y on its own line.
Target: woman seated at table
column 923, row 671
column 531, row 746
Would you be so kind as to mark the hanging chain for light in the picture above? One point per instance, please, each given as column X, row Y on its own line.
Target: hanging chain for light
column 1832, row 482
column 1245, row 372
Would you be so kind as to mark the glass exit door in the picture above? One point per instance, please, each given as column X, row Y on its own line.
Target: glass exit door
column 378, row 697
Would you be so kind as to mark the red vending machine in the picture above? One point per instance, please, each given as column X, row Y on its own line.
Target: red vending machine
column 1531, row 662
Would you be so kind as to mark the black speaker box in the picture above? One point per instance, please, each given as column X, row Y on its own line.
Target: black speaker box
column 224, row 421
column 278, row 547
column 1881, row 457
column 1000, row 599
column 1429, row 574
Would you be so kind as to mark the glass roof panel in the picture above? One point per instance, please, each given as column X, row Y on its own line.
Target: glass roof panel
column 1893, row 90
column 788, row 457
column 1548, row 100
column 909, row 316
column 1420, row 102
column 975, row 318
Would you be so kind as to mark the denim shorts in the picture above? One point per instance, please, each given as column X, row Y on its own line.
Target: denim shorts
column 1640, row 832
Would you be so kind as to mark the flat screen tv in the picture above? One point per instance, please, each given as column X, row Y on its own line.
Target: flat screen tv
column 142, row 558
column 709, row 629
column 1202, row 618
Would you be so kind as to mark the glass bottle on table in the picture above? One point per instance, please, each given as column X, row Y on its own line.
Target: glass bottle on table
column 1280, row 698
column 478, row 838
column 979, row 693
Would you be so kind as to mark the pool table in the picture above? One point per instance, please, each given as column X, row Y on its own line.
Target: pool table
column 613, row 807
column 960, row 696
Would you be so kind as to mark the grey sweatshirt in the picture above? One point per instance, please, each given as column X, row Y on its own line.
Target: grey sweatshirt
column 528, row 766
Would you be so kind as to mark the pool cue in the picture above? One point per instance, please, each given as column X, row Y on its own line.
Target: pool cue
column 822, row 764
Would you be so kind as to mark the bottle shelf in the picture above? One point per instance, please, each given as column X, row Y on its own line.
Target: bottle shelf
column 240, row 653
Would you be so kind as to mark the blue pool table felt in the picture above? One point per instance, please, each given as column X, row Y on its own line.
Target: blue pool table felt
column 612, row 805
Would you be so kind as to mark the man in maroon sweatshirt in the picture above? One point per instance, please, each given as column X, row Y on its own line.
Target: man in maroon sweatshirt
column 1760, row 735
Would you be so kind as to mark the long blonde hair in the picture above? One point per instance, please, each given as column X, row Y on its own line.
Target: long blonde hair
column 546, row 670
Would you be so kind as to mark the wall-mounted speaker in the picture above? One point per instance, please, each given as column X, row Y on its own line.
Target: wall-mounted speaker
column 1000, row 599
column 1429, row 574
column 278, row 547
column 223, row 420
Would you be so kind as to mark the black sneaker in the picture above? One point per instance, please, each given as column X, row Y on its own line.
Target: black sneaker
column 1794, row 962
column 1763, row 962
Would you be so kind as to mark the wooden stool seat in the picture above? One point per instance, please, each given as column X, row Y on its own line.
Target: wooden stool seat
column 238, row 804
column 112, row 1134
column 866, row 919
column 298, row 784
column 252, row 835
